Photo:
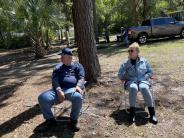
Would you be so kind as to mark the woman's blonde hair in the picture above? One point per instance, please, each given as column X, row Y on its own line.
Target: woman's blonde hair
column 134, row 45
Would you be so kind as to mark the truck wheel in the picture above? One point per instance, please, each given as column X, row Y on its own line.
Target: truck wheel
column 182, row 33
column 142, row 38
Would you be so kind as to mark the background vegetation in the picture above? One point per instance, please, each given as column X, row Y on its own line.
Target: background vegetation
column 38, row 22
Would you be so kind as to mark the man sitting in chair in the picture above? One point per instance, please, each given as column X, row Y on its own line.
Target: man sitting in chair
column 135, row 74
column 67, row 83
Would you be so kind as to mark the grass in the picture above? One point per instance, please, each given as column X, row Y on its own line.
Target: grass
column 166, row 57
column 167, row 60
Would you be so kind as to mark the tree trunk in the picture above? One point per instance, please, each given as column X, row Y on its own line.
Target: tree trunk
column 60, row 35
column 95, row 21
column 67, row 35
column 145, row 9
column 47, row 41
column 106, row 24
column 85, row 40
column 1, row 38
column 171, row 5
column 107, row 35
column 49, row 2
column 38, row 46
column 39, row 50
column 133, row 10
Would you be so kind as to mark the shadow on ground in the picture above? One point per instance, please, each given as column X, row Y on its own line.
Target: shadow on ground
column 18, row 120
column 122, row 117
column 59, row 131
column 111, row 49
column 163, row 40
column 16, row 74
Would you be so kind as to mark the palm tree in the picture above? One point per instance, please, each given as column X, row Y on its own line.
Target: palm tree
column 38, row 18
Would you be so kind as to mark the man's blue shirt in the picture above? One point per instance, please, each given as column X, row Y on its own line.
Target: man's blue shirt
column 68, row 76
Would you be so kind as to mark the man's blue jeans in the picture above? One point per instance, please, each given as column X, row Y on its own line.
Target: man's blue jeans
column 48, row 98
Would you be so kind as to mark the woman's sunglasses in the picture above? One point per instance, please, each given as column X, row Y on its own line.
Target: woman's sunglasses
column 130, row 51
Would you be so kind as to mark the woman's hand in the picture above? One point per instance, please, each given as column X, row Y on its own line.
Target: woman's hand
column 61, row 96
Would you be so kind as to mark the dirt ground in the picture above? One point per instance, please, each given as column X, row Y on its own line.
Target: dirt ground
column 23, row 79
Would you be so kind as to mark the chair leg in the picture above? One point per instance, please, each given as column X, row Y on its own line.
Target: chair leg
column 126, row 107
column 86, row 98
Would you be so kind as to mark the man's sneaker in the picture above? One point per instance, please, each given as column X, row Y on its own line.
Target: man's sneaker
column 47, row 125
column 73, row 125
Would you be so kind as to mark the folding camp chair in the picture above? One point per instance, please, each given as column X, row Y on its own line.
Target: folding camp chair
column 59, row 109
column 125, row 95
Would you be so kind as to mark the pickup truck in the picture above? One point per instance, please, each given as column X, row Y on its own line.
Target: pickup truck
column 156, row 28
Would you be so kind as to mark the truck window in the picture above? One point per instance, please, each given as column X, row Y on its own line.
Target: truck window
column 178, row 16
column 146, row 23
column 169, row 20
column 160, row 21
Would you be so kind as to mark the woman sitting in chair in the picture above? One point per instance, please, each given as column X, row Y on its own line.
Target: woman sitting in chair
column 135, row 74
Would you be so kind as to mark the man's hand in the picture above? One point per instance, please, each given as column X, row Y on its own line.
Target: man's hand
column 61, row 96
column 78, row 89
column 153, row 77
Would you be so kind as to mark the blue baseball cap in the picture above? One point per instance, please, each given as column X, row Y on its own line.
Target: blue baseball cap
column 66, row 51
